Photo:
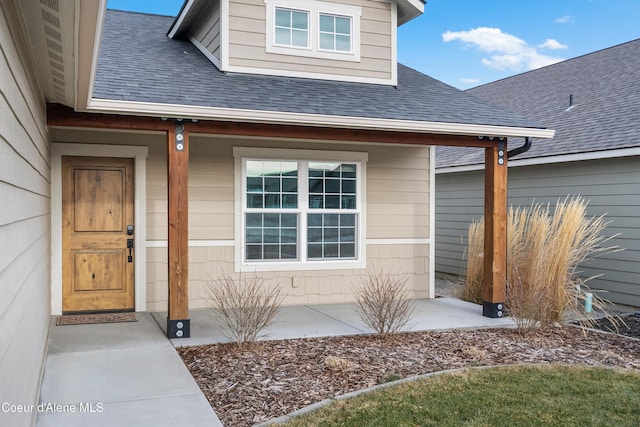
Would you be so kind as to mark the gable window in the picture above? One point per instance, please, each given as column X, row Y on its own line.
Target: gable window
column 335, row 33
column 291, row 27
column 313, row 28
column 299, row 213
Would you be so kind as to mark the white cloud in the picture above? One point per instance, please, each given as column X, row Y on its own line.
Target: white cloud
column 564, row 19
column 509, row 52
column 470, row 81
column 487, row 39
column 552, row 44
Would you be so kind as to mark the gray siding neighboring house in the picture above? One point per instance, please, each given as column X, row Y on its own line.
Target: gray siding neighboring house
column 593, row 102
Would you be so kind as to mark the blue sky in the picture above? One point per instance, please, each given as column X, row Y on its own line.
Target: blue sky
column 467, row 43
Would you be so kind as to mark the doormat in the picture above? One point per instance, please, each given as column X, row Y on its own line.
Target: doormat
column 90, row 319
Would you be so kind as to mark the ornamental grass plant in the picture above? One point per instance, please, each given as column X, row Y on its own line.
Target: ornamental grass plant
column 544, row 251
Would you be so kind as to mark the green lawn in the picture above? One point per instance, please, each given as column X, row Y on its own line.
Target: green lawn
column 503, row 396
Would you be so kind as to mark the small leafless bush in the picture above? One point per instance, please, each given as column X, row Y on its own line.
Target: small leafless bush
column 244, row 306
column 382, row 303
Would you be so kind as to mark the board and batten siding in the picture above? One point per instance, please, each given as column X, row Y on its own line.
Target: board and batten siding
column 611, row 187
column 24, row 222
column 247, row 43
column 206, row 29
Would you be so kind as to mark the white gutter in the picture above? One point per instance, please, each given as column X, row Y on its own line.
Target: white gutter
column 565, row 158
column 305, row 119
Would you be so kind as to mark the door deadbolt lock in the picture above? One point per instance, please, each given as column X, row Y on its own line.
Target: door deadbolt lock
column 130, row 230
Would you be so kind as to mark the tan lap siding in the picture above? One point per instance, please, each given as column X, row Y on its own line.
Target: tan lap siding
column 397, row 182
column 247, row 46
column 397, row 192
column 25, row 200
column 206, row 30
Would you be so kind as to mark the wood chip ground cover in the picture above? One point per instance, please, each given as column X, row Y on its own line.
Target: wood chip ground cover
column 272, row 378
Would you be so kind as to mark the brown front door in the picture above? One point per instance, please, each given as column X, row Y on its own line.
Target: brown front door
column 97, row 208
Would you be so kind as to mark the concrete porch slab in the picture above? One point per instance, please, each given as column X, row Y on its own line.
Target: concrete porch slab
column 306, row 321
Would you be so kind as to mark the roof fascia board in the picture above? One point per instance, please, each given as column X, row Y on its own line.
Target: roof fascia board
column 210, row 56
column 566, row 158
column 224, row 35
column 394, row 43
column 91, row 18
column 177, row 23
column 416, row 7
column 276, row 117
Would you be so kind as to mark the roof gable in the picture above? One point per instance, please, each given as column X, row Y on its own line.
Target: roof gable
column 139, row 63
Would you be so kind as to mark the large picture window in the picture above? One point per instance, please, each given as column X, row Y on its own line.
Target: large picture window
column 300, row 211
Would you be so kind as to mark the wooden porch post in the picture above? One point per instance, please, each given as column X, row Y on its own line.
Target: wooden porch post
column 178, row 324
column 495, row 230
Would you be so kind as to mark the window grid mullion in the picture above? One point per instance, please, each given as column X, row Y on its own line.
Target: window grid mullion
column 303, row 205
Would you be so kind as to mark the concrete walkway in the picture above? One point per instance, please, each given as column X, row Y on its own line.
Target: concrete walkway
column 119, row 374
column 129, row 374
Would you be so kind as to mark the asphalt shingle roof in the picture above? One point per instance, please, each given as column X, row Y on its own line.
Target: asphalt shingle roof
column 138, row 62
column 605, row 86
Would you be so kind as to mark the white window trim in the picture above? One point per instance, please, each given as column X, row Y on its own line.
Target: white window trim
column 241, row 154
column 335, row 15
column 309, row 26
column 314, row 8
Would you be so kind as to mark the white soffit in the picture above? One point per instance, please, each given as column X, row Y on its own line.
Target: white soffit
column 51, row 28
column 409, row 9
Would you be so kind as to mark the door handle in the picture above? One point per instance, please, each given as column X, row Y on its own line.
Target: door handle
column 130, row 247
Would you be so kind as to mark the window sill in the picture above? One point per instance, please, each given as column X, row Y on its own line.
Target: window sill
column 310, row 53
column 301, row 266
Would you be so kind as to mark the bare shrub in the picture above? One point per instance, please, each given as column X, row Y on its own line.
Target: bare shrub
column 244, row 306
column 544, row 251
column 382, row 303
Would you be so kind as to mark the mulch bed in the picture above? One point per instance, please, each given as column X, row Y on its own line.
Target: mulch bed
column 630, row 327
column 270, row 379
column 91, row 319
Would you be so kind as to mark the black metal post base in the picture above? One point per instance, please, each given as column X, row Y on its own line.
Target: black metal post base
column 493, row 310
column 178, row 328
